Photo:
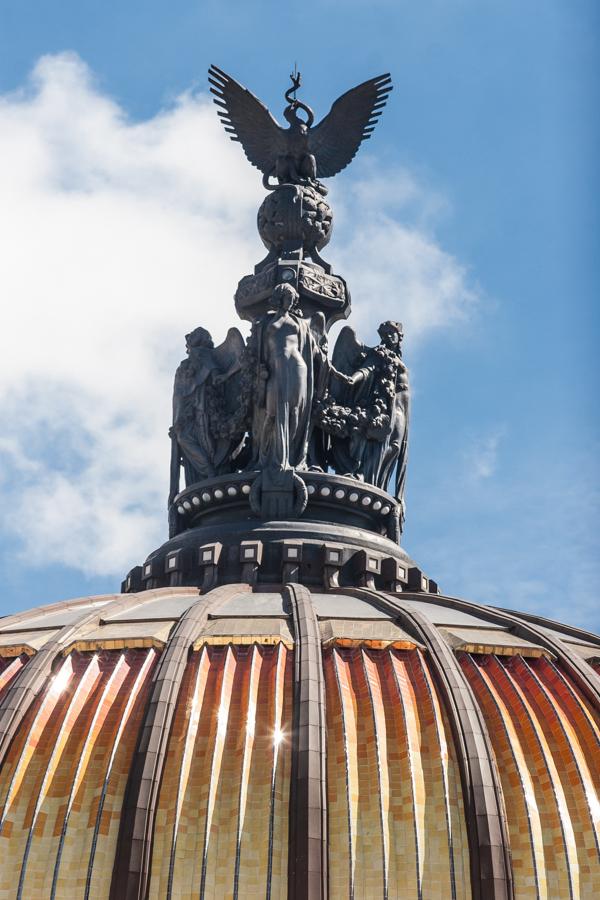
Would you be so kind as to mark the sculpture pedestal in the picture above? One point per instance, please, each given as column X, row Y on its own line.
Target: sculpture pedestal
column 330, row 498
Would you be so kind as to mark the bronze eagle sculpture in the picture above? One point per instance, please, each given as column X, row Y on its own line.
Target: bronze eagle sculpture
column 301, row 152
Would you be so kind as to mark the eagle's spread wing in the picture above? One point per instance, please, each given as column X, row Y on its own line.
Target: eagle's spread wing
column 247, row 120
column 351, row 120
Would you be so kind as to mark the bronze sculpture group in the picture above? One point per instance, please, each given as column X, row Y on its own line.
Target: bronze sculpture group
column 276, row 404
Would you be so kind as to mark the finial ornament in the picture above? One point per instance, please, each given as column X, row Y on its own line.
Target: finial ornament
column 274, row 410
column 300, row 153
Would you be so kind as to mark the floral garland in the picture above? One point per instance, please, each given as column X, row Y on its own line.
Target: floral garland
column 374, row 419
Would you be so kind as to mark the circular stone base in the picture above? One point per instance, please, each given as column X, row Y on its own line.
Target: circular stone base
column 250, row 550
column 337, row 499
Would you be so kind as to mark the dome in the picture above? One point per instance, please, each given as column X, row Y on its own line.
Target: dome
column 178, row 743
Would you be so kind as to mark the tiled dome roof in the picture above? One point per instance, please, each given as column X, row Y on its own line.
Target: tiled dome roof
column 169, row 743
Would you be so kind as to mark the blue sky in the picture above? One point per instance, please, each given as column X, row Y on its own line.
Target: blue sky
column 486, row 156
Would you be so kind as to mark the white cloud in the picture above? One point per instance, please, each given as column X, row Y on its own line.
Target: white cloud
column 386, row 248
column 118, row 237
column 481, row 454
